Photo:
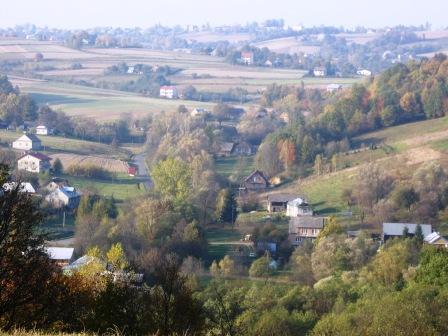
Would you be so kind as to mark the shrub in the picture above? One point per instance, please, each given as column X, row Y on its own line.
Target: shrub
column 90, row 171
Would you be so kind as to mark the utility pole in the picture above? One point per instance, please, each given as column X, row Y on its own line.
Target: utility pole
column 63, row 219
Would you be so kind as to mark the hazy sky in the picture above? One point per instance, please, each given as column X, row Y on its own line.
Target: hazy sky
column 144, row 13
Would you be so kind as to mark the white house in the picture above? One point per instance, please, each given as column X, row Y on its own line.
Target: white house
column 436, row 239
column 27, row 142
column 60, row 255
column 34, row 163
column 169, row 92
column 393, row 230
column 320, row 72
column 25, row 187
column 199, row 112
column 131, row 70
column 64, row 197
column 43, row 130
column 364, row 72
column 298, row 207
column 334, row 87
column 247, row 57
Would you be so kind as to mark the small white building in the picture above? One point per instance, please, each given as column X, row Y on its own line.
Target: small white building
column 64, row 197
column 334, row 87
column 436, row 239
column 247, row 57
column 131, row 70
column 298, row 207
column 27, row 142
column 34, row 163
column 199, row 112
column 43, row 130
column 169, row 92
column 320, row 72
column 25, row 187
column 364, row 72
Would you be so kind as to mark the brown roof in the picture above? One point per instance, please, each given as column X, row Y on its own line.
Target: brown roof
column 281, row 197
column 307, row 222
column 256, row 172
column 38, row 156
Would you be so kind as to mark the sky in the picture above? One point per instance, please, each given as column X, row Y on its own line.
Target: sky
column 145, row 13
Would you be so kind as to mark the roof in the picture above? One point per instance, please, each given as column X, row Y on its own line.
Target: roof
column 227, row 146
column 334, row 86
column 396, row 229
column 281, row 197
column 247, row 54
column 25, row 187
column 298, row 202
column 166, row 87
column 60, row 253
column 38, row 156
column 29, row 137
column 41, row 127
column 434, row 237
column 307, row 222
column 68, row 191
column 256, row 172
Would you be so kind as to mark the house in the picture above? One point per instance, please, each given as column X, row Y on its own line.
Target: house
column 34, row 163
column 247, row 57
column 364, row 72
column 243, row 148
column 199, row 112
column 25, row 187
column 64, row 197
column 255, row 181
column 284, row 116
column 132, row 170
column 298, row 207
column 226, row 148
column 436, row 239
column 43, row 130
column 56, row 183
column 169, row 92
column 278, row 202
column 62, row 256
column 393, row 230
column 268, row 63
column 320, row 72
column 131, row 70
column 334, row 87
column 305, row 228
column 27, row 142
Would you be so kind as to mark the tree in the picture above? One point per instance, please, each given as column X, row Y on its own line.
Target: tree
column 260, row 267
column 116, row 257
column 318, row 165
column 25, row 269
column 57, row 167
column 172, row 179
column 405, row 197
column 418, row 236
column 226, row 207
column 227, row 266
column 286, row 152
column 38, row 57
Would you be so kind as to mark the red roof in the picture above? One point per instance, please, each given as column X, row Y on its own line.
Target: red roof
column 132, row 170
column 38, row 156
column 247, row 54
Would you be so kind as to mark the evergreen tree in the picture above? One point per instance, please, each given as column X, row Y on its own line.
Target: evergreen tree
column 226, row 207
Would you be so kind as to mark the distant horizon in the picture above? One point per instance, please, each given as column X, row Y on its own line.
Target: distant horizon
column 86, row 14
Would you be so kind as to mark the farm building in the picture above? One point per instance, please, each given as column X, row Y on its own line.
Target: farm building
column 320, row 72
column 226, row 149
column 62, row 256
column 243, row 148
column 64, row 197
column 255, row 181
column 334, row 87
column 305, row 228
column 394, row 230
column 34, row 163
column 43, row 130
column 199, row 112
column 169, row 92
column 278, row 202
column 132, row 170
column 27, row 142
column 436, row 239
column 298, row 207
column 56, row 183
column 364, row 72
column 247, row 57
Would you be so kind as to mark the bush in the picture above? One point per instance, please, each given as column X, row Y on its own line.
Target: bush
column 90, row 171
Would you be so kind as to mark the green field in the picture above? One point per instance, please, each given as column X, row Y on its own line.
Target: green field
column 121, row 188
column 228, row 166
column 74, row 146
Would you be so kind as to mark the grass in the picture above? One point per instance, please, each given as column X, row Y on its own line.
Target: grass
column 53, row 226
column 74, row 146
column 122, row 187
column 228, row 166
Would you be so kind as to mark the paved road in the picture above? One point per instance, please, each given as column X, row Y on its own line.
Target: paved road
column 143, row 171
